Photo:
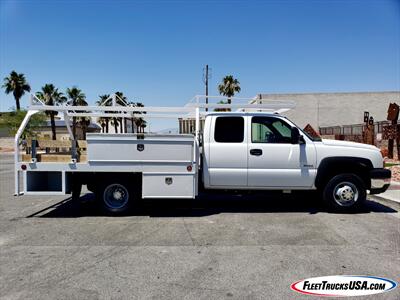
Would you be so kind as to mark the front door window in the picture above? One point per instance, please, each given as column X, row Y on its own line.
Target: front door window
column 270, row 130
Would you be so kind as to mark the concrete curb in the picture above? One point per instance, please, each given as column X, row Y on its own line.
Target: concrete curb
column 389, row 202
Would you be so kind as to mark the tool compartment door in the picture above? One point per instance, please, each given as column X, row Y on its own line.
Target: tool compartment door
column 168, row 185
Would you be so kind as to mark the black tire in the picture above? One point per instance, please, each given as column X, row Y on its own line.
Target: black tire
column 344, row 193
column 115, row 197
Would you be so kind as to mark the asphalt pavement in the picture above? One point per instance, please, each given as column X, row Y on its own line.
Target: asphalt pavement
column 229, row 247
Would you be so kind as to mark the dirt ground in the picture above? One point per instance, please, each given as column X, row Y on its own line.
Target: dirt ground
column 6, row 144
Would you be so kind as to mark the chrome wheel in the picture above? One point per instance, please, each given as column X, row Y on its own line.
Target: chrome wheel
column 345, row 194
column 115, row 196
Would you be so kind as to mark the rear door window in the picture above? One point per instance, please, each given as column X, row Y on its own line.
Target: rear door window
column 229, row 130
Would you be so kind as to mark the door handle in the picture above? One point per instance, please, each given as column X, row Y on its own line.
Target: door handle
column 256, row 152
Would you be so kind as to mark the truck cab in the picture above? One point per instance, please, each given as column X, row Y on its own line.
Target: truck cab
column 266, row 151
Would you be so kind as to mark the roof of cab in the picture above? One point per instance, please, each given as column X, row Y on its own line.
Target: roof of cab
column 244, row 113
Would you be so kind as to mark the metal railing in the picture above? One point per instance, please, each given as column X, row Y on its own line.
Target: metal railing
column 354, row 129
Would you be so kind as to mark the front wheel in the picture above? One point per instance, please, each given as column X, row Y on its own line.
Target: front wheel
column 116, row 198
column 345, row 193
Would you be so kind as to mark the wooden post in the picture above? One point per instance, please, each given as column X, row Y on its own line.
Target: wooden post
column 393, row 115
column 390, row 148
column 368, row 133
column 398, row 141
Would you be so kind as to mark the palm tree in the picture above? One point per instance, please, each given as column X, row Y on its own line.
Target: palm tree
column 77, row 97
column 51, row 96
column 102, row 101
column 121, row 100
column 102, row 121
column 115, row 123
column 228, row 87
column 140, row 124
column 132, row 119
column 84, row 122
column 16, row 83
column 136, row 120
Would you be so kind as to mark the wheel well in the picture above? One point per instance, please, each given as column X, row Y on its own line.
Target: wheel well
column 332, row 166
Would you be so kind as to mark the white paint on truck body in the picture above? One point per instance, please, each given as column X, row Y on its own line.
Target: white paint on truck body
column 280, row 166
column 329, row 148
column 243, row 155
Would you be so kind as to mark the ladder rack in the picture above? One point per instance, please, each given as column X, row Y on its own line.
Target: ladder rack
column 116, row 110
column 196, row 108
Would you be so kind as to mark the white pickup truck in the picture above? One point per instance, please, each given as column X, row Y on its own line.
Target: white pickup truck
column 238, row 150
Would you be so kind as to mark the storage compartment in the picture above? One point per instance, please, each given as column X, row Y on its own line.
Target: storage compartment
column 168, row 186
column 127, row 148
column 44, row 181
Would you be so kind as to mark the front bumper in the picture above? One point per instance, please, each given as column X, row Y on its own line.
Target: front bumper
column 380, row 180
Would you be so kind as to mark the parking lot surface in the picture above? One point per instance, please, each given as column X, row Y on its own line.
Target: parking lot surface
column 233, row 247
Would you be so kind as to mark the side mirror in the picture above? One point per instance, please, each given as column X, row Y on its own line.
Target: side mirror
column 296, row 138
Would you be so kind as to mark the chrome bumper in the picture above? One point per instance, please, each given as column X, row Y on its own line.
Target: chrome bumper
column 379, row 183
column 380, row 180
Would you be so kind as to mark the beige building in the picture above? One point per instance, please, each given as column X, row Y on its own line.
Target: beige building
column 332, row 109
column 326, row 109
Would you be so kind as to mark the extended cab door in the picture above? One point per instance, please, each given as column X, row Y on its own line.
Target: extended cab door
column 274, row 162
column 227, row 161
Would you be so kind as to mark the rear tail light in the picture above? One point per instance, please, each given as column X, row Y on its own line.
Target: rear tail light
column 189, row 168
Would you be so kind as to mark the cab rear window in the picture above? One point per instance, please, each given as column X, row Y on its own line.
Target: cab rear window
column 229, row 130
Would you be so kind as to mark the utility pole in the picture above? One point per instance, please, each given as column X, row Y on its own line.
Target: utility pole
column 206, row 76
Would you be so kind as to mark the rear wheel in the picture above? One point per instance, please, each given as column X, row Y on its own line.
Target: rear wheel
column 345, row 193
column 116, row 198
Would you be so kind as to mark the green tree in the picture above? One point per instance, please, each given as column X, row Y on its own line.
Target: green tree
column 132, row 104
column 121, row 100
column 12, row 121
column 139, row 122
column 136, row 120
column 106, row 100
column 84, row 123
column 228, row 87
column 77, row 97
column 115, row 123
column 16, row 83
column 51, row 96
column 104, row 120
column 222, row 109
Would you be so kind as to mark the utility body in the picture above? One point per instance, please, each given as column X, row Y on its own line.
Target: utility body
column 251, row 148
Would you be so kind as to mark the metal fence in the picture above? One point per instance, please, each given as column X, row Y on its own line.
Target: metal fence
column 353, row 130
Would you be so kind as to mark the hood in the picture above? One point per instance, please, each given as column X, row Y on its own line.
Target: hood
column 348, row 144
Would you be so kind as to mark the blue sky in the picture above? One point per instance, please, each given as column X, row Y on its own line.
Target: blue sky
column 155, row 51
